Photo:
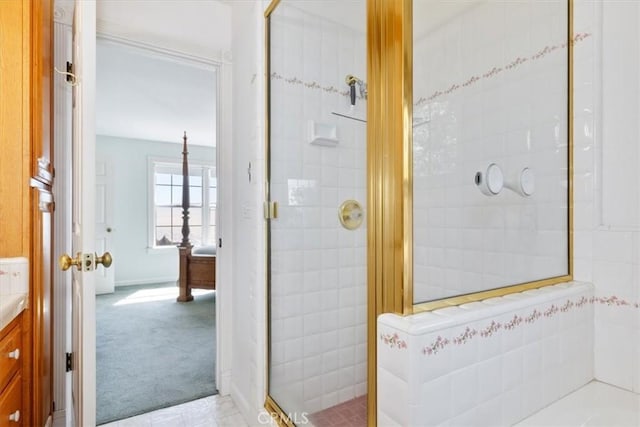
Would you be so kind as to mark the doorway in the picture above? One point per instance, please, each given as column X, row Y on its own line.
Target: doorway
column 118, row 168
column 152, row 351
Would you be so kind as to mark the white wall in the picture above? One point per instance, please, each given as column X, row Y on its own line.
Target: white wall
column 607, row 182
column 128, row 158
column 248, row 301
column 490, row 90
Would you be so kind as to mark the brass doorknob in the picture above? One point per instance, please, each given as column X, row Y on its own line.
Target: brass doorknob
column 105, row 260
column 65, row 262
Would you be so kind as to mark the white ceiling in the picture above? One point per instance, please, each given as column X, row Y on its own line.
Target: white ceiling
column 198, row 27
column 145, row 94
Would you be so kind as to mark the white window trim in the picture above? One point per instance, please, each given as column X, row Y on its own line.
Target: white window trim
column 152, row 161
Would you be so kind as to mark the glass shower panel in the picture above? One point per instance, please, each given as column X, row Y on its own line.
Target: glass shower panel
column 490, row 145
column 317, row 265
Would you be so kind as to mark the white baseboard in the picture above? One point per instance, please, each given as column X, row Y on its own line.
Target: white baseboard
column 146, row 281
column 249, row 414
column 224, row 383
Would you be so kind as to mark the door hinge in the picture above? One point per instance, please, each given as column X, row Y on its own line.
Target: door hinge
column 270, row 210
column 69, row 362
column 220, row 242
column 70, row 71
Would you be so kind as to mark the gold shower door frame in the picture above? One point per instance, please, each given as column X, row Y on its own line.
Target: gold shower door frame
column 390, row 181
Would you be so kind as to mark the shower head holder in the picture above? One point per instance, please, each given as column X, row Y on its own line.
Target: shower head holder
column 351, row 81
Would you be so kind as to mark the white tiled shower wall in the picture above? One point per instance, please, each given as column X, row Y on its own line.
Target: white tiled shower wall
column 489, row 87
column 489, row 363
column 607, row 181
column 318, row 288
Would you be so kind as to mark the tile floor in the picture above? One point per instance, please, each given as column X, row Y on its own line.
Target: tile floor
column 352, row 413
column 594, row 405
column 212, row 411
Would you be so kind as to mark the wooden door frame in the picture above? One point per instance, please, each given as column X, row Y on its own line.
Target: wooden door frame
column 38, row 376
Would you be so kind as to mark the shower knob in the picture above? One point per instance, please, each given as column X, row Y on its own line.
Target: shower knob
column 491, row 181
column 350, row 214
column 523, row 183
column 527, row 182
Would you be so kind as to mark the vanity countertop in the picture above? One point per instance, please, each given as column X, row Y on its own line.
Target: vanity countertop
column 14, row 288
column 11, row 306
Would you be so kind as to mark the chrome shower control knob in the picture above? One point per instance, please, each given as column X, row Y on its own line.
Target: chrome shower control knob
column 491, row 181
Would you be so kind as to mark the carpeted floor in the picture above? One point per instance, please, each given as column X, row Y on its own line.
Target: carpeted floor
column 152, row 352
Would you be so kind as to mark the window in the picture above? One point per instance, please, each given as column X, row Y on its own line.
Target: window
column 167, row 204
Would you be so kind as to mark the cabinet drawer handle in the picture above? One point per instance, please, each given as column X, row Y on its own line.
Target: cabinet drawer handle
column 15, row 354
column 15, row 416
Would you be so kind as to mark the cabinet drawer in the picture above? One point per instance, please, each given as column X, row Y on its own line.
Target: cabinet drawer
column 10, row 355
column 11, row 411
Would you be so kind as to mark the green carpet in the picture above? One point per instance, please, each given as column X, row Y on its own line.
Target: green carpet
column 151, row 351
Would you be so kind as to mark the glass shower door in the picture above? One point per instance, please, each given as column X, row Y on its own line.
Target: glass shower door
column 317, row 234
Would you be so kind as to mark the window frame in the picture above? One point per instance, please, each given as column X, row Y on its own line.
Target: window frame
column 209, row 225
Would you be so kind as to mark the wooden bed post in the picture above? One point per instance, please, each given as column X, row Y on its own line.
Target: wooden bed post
column 197, row 266
column 185, row 246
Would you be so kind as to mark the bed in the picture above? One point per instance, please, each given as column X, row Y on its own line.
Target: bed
column 197, row 263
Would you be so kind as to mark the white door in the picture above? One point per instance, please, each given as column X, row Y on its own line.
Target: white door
column 83, row 216
column 105, row 277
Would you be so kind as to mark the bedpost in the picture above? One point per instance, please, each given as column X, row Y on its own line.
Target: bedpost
column 185, row 193
column 184, row 247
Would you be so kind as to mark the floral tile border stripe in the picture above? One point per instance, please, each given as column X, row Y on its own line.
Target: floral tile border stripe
column 393, row 340
column 497, row 70
column 470, row 81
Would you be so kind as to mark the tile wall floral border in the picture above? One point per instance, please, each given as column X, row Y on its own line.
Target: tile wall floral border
column 511, row 65
column 515, row 63
column 15, row 273
column 393, row 340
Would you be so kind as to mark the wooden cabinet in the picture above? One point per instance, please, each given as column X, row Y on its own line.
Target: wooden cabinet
column 15, row 144
column 12, row 399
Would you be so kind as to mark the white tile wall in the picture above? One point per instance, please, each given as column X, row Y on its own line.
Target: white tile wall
column 318, row 287
column 489, row 90
column 608, row 183
column 485, row 364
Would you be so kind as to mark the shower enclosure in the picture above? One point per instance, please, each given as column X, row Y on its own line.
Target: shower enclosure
column 317, row 286
column 464, row 183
